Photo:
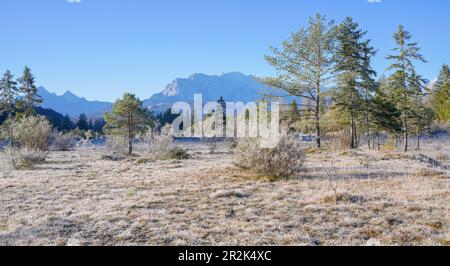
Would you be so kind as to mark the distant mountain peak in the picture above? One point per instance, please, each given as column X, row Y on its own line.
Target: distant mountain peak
column 232, row 86
column 69, row 103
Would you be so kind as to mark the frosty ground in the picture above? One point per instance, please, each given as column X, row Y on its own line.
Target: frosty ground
column 84, row 198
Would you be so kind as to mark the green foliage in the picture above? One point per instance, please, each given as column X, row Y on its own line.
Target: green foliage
column 83, row 123
column 305, row 65
column 127, row 118
column 441, row 95
column 404, row 84
column 178, row 153
column 28, row 88
column 33, row 133
column 8, row 92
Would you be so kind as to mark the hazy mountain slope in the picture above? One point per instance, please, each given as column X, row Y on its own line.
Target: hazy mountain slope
column 232, row 87
column 70, row 104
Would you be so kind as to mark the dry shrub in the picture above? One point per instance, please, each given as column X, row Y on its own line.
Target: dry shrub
column 389, row 146
column 430, row 173
column 33, row 133
column 117, row 144
column 30, row 157
column 337, row 140
column 282, row 162
column 345, row 198
column 63, row 141
column 442, row 157
column 158, row 145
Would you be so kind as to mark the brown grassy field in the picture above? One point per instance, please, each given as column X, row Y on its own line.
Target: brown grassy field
column 82, row 198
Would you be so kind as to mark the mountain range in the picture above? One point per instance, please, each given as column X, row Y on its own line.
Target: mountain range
column 71, row 104
column 233, row 86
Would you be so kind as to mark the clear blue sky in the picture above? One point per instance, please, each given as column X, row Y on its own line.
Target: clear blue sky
column 102, row 48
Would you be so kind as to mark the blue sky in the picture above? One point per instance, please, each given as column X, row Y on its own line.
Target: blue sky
column 101, row 48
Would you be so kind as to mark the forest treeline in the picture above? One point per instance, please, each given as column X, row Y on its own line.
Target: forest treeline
column 329, row 67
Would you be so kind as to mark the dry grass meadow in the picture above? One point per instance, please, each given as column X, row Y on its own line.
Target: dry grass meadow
column 83, row 198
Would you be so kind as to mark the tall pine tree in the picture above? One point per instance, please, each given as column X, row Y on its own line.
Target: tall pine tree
column 355, row 83
column 441, row 95
column 27, row 87
column 8, row 93
column 305, row 66
column 402, row 64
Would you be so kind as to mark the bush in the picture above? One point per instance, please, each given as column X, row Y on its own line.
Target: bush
column 63, row 141
column 33, row 133
column 117, row 144
column 178, row 154
column 282, row 162
column 158, row 145
column 30, row 157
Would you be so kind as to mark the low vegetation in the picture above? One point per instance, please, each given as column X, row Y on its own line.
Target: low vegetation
column 282, row 162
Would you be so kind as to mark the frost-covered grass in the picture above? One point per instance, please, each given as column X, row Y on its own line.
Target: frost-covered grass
column 83, row 198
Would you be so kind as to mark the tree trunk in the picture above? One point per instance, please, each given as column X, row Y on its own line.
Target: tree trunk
column 378, row 141
column 353, row 143
column 130, row 140
column 319, row 142
column 405, row 121
column 418, row 140
column 11, row 141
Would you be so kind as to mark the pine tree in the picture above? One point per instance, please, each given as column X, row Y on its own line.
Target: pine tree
column 83, row 123
column 420, row 116
column 441, row 95
column 348, row 65
column 8, row 93
column 67, row 123
column 305, row 66
column 368, row 85
column 355, row 76
column 406, row 53
column 294, row 113
column 223, row 105
column 127, row 117
column 28, row 88
column 385, row 115
column 8, row 97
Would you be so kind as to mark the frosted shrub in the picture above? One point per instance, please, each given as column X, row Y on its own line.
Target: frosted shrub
column 282, row 162
column 30, row 157
column 33, row 133
column 63, row 141
column 158, row 145
column 116, row 144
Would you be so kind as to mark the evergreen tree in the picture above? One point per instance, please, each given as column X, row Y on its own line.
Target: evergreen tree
column 223, row 105
column 348, row 67
column 8, row 93
column 98, row 125
column 385, row 115
column 441, row 95
column 402, row 65
column 294, row 113
column 8, row 97
column 67, row 123
column 83, row 123
column 420, row 116
column 127, row 117
column 27, row 87
column 368, row 85
column 305, row 66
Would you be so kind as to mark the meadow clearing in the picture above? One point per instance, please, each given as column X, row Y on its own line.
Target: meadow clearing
column 356, row 197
